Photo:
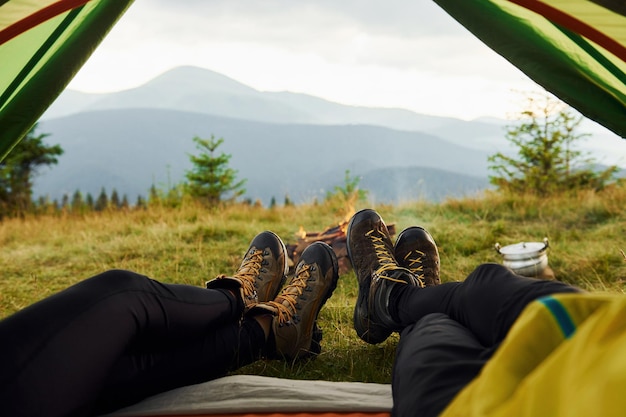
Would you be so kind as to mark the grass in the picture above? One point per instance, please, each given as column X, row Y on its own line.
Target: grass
column 190, row 244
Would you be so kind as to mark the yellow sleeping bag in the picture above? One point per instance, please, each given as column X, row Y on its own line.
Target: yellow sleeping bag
column 565, row 356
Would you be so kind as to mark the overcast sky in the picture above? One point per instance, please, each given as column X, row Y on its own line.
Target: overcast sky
column 395, row 53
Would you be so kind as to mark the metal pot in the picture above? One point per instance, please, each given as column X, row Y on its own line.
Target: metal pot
column 529, row 259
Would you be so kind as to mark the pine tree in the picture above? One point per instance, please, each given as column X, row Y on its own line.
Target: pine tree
column 115, row 200
column 19, row 168
column 102, row 202
column 210, row 179
column 154, row 196
column 125, row 203
column 140, row 203
column 547, row 160
column 77, row 202
column 89, row 203
column 65, row 202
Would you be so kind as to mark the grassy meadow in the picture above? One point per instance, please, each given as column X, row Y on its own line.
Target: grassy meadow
column 190, row 244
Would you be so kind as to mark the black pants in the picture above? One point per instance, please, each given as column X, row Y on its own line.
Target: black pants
column 115, row 339
column 451, row 330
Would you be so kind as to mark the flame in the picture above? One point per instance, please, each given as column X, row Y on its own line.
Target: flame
column 341, row 228
column 344, row 223
column 349, row 213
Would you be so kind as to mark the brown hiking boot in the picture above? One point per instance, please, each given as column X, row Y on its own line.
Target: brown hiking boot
column 377, row 271
column 294, row 328
column 261, row 273
column 416, row 250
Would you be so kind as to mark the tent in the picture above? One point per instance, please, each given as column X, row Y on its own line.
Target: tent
column 43, row 44
column 575, row 49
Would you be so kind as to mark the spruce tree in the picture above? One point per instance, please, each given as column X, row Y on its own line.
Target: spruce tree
column 547, row 159
column 102, row 202
column 19, row 168
column 115, row 199
column 77, row 202
column 89, row 202
column 211, row 180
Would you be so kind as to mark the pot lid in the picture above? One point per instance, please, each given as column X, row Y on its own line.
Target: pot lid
column 527, row 249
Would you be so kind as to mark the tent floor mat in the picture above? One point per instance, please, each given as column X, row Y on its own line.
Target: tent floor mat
column 259, row 396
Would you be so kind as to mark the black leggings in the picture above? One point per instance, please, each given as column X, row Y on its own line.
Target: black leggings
column 451, row 330
column 116, row 338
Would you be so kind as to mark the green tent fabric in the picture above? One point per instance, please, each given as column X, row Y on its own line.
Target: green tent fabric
column 575, row 49
column 43, row 43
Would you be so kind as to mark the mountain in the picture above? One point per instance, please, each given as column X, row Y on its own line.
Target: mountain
column 284, row 144
column 131, row 149
column 203, row 91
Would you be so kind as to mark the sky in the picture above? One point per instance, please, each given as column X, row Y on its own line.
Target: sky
column 397, row 53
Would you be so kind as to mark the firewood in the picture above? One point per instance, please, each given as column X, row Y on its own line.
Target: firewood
column 334, row 236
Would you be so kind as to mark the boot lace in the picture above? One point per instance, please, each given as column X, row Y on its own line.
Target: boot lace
column 286, row 304
column 385, row 257
column 248, row 272
column 387, row 261
column 414, row 263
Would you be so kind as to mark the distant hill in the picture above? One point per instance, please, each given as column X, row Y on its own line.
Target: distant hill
column 131, row 149
column 203, row 91
column 282, row 143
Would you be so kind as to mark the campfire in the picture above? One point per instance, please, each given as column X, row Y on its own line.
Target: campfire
column 334, row 236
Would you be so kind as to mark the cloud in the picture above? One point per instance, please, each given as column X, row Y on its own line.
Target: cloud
column 399, row 53
column 404, row 18
column 326, row 28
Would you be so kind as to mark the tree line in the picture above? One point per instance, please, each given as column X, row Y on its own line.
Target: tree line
column 80, row 203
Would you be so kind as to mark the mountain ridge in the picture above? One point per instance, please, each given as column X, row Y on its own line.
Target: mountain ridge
column 283, row 143
column 201, row 90
column 135, row 148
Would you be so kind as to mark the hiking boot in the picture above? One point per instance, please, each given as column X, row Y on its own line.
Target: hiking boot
column 261, row 273
column 416, row 250
column 371, row 252
column 294, row 332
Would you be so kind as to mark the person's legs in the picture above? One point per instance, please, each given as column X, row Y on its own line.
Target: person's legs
column 391, row 296
column 439, row 353
column 291, row 325
column 294, row 333
column 488, row 302
column 371, row 254
column 448, row 330
column 436, row 357
column 57, row 353
column 144, row 373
